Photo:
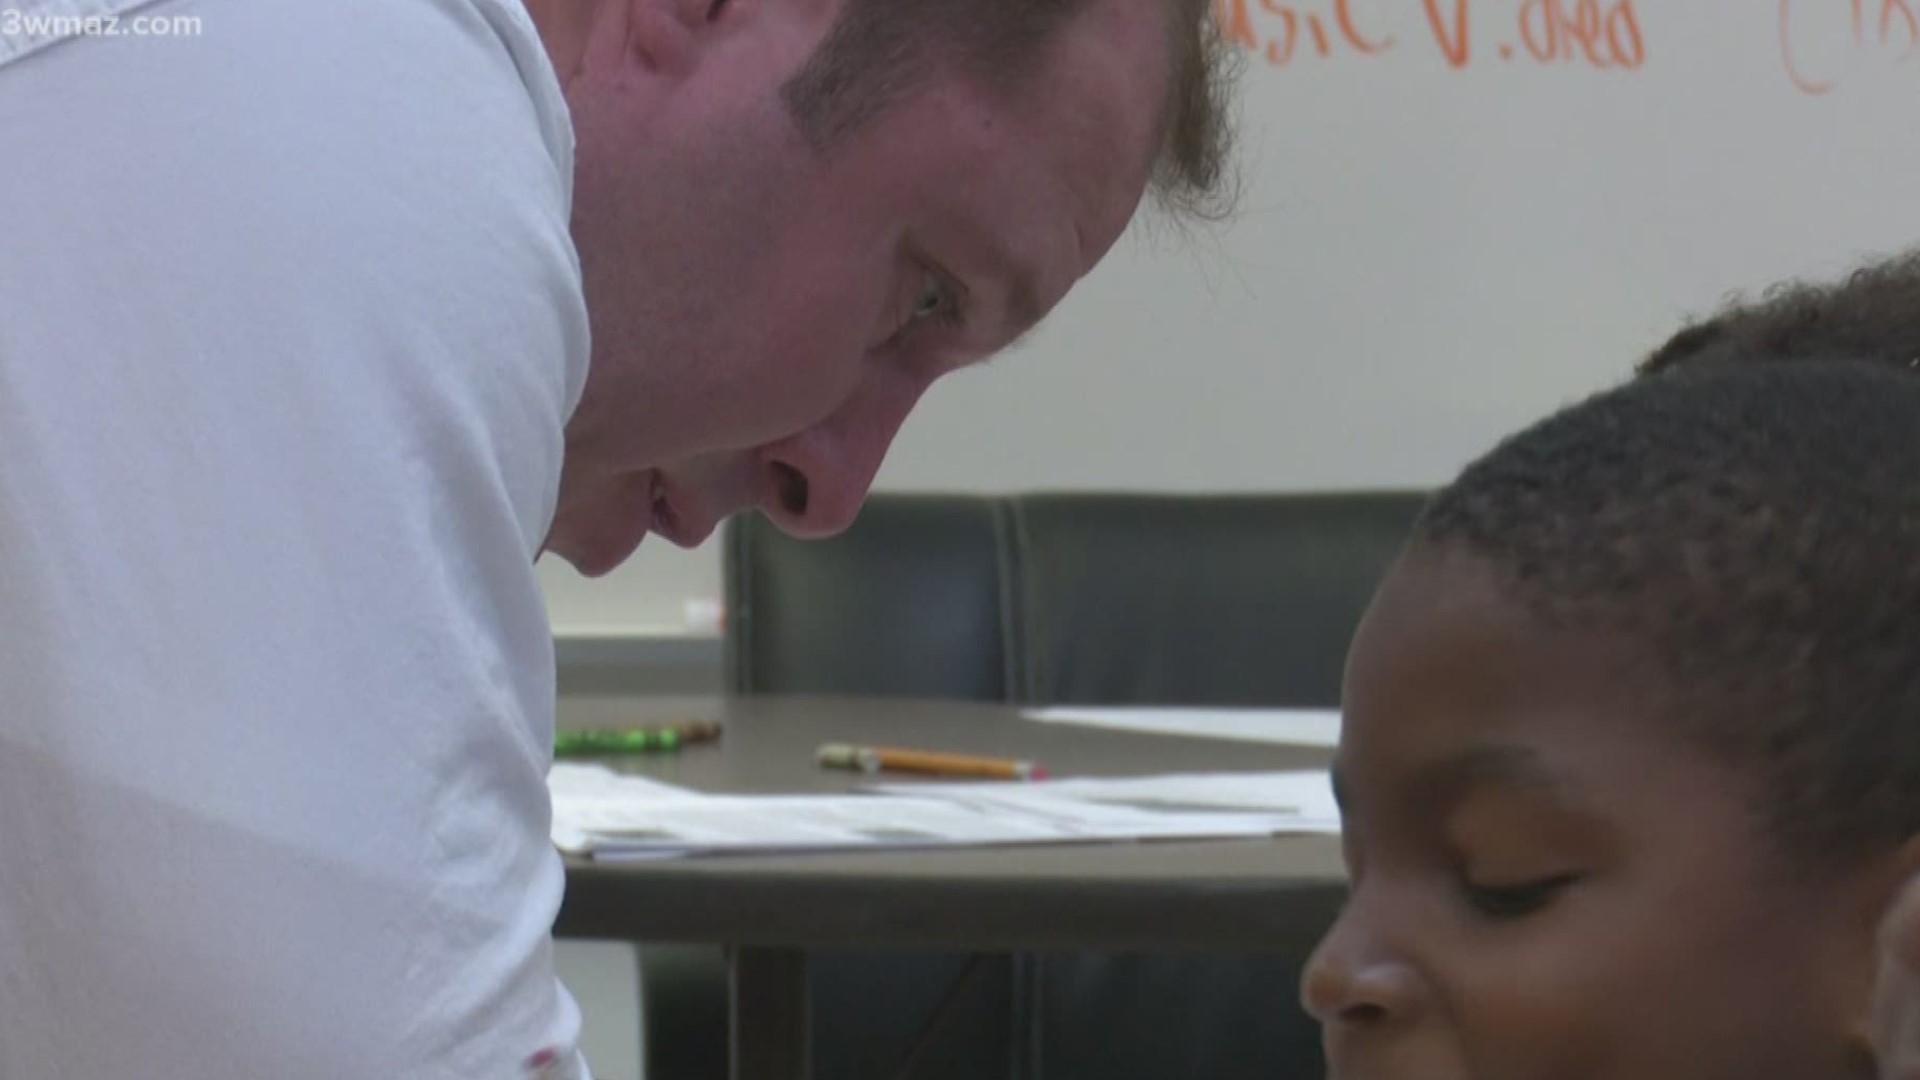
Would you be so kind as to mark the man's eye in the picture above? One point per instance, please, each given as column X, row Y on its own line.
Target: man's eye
column 933, row 299
column 938, row 304
column 1514, row 901
column 936, row 301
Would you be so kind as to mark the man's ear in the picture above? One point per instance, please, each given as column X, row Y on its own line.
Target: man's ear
column 665, row 37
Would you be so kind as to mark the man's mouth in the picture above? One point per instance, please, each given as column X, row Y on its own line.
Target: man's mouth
column 676, row 520
column 664, row 520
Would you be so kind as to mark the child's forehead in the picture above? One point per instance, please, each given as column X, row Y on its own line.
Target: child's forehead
column 1451, row 667
column 1457, row 628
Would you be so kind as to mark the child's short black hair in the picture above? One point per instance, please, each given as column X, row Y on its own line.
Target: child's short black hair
column 1755, row 529
column 1873, row 315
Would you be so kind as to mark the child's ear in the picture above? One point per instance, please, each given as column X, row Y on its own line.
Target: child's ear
column 1896, row 914
column 1891, row 1011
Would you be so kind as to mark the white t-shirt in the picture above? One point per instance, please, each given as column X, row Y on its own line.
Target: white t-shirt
column 290, row 325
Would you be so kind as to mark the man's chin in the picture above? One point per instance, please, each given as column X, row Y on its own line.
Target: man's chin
column 599, row 556
column 602, row 525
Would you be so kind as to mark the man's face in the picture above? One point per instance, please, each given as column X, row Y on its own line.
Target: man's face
column 766, row 313
column 1548, row 883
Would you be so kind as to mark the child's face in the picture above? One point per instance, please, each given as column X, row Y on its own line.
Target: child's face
column 1896, row 1002
column 1546, row 885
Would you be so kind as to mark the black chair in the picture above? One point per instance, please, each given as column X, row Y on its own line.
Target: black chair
column 1055, row 599
column 1065, row 599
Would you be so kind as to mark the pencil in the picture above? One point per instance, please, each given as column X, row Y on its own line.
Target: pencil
column 895, row 759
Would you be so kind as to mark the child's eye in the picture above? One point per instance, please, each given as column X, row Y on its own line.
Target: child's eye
column 1514, row 901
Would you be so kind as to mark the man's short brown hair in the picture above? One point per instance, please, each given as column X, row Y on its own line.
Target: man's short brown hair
column 878, row 49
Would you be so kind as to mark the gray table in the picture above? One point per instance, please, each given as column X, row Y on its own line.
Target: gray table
column 1269, row 895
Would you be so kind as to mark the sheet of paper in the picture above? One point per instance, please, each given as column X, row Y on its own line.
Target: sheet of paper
column 610, row 815
column 1304, row 793
column 571, row 779
column 1297, row 801
column 585, row 793
column 719, row 825
column 1293, row 727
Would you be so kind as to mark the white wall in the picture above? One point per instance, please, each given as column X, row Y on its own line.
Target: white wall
column 1426, row 258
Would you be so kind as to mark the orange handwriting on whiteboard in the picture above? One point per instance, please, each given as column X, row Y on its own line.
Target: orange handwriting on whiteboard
column 1582, row 31
column 1278, row 30
column 1884, row 29
column 1454, row 43
column 1599, row 34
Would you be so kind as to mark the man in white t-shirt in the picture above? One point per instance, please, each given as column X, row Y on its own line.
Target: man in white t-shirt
column 297, row 380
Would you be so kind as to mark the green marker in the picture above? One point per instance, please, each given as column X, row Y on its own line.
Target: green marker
column 658, row 740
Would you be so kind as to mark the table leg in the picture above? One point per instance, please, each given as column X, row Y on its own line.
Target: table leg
column 772, row 1018
column 1025, row 1029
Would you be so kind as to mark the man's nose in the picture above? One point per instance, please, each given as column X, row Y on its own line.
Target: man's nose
column 820, row 477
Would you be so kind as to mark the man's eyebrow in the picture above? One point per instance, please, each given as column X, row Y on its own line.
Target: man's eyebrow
column 1024, row 298
column 1024, row 309
column 1020, row 341
column 1022, row 314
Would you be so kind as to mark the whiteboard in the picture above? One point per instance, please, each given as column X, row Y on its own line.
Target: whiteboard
column 1442, row 236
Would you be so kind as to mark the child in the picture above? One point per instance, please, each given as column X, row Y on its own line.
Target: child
column 1631, row 763
column 1896, row 1005
column 1874, row 315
